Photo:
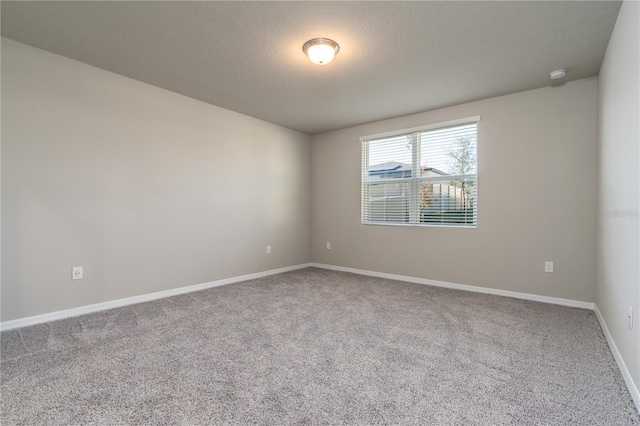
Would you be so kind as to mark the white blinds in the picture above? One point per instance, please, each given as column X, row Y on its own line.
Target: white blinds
column 423, row 176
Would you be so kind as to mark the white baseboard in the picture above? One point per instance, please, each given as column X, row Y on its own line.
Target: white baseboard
column 633, row 389
column 87, row 309
column 475, row 289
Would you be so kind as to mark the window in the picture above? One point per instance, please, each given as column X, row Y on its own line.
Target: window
column 423, row 176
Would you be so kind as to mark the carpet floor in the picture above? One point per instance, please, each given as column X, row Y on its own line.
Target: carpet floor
column 316, row 347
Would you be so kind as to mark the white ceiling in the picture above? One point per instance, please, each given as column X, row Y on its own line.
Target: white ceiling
column 396, row 58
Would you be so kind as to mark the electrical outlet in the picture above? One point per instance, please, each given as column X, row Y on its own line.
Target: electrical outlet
column 630, row 317
column 548, row 266
column 328, row 246
column 268, row 249
column 76, row 273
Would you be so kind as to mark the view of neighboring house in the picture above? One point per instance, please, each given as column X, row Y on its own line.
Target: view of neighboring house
column 391, row 200
column 395, row 169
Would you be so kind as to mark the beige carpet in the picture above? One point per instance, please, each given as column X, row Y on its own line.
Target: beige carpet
column 316, row 347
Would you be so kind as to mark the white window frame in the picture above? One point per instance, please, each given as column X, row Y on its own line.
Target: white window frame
column 415, row 180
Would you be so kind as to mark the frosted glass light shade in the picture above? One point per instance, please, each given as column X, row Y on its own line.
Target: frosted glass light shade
column 321, row 51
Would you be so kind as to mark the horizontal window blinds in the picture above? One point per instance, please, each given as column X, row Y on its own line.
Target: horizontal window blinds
column 424, row 177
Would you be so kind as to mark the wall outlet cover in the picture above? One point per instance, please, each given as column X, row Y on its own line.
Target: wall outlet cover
column 76, row 273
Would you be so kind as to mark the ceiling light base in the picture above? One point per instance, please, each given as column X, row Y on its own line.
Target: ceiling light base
column 558, row 74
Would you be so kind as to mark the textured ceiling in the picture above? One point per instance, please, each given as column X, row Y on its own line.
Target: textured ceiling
column 395, row 58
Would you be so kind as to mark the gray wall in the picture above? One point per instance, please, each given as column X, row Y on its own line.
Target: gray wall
column 536, row 202
column 146, row 189
column 618, row 256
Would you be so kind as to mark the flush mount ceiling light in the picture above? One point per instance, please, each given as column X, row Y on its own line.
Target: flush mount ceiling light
column 557, row 74
column 321, row 51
